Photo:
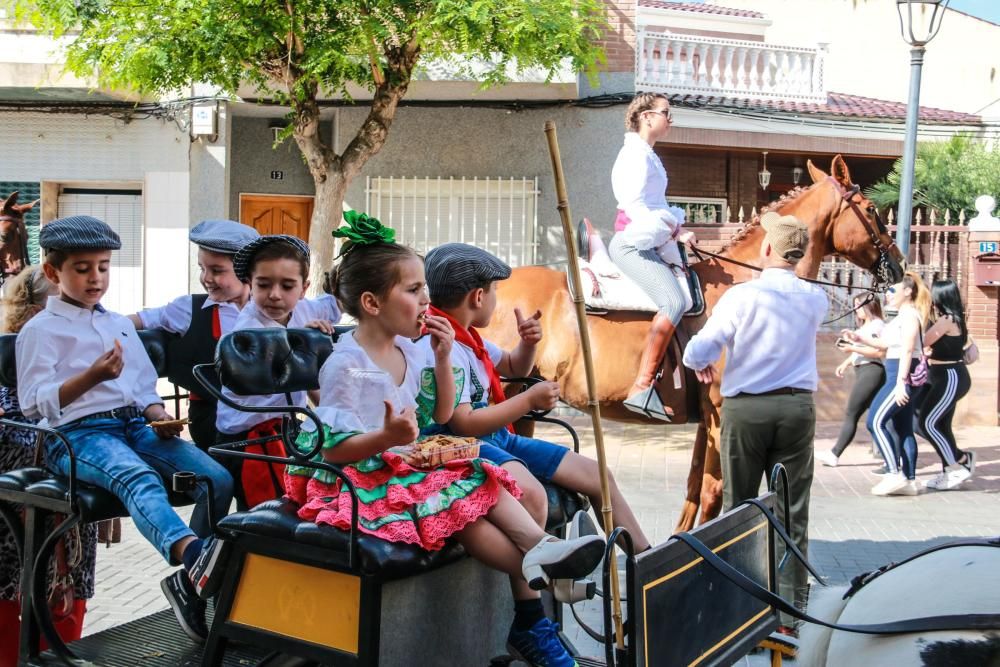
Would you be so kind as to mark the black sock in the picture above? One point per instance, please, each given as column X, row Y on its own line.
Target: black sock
column 191, row 553
column 527, row 613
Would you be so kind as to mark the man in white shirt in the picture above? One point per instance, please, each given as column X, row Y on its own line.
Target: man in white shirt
column 768, row 329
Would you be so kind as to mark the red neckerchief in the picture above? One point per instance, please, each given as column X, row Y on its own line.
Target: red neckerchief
column 216, row 323
column 471, row 339
column 263, row 480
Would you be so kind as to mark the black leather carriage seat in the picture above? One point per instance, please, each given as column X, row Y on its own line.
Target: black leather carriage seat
column 94, row 504
column 270, row 361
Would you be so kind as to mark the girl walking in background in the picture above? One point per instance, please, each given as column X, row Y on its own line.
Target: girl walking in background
column 890, row 418
column 947, row 382
column 869, row 373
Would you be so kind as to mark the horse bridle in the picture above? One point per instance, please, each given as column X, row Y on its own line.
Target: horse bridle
column 880, row 270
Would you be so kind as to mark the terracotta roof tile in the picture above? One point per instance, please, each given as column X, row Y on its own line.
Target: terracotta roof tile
column 700, row 8
column 837, row 104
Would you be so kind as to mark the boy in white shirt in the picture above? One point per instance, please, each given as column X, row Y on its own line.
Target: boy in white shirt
column 84, row 372
column 200, row 320
column 276, row 268
column 462, row 282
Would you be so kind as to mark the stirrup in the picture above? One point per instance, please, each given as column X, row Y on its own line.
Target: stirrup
column 647, row 403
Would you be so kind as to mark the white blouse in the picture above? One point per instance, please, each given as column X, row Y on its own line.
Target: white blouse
column 352, row 387
column 892, row 336
column 639, row 182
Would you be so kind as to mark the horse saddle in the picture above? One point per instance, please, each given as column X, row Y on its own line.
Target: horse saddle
column 607, row 288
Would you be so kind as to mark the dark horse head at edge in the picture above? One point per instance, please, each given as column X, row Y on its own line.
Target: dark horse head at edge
column 13, row 236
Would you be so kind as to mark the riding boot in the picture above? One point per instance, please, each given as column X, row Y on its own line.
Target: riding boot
column 643, row 397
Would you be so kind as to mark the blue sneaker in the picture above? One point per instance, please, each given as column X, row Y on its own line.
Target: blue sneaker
column 540, row 646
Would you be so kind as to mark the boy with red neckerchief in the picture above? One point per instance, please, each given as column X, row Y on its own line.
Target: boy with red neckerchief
column 462, row 282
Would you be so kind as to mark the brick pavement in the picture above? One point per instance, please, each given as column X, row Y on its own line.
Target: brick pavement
column 850, row 531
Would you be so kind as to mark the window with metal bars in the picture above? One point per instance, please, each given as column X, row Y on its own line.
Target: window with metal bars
column 497, row 214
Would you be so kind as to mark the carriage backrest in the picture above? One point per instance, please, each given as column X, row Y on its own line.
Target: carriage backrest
column 153, row 340
column 686, row 612
column 274, row 360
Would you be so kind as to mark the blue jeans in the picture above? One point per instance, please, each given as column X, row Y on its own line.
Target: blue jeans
column 127, row 458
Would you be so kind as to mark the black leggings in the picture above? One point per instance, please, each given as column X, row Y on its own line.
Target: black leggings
column 945, row 386
column 868, row 378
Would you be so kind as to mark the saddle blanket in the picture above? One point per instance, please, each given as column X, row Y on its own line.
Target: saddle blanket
column 606, row 287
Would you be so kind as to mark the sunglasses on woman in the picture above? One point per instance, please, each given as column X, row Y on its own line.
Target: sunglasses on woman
column 666, row 114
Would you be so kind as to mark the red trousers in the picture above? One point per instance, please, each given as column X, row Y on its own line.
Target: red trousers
column 69, row 628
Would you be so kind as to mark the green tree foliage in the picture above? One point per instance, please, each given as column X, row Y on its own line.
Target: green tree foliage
column 299, row 51
column 947, row 176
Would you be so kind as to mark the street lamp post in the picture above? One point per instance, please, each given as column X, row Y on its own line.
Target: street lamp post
column 919, row 21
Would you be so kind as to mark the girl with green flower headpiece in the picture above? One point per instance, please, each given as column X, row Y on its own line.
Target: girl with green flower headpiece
column 378, row 389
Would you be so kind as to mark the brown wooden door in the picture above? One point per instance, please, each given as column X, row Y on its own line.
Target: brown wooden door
column 273, row 214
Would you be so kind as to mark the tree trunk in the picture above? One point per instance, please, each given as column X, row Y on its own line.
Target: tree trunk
column 327, row 215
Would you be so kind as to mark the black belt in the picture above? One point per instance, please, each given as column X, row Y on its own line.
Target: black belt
column 783, row 391
column 125, row 414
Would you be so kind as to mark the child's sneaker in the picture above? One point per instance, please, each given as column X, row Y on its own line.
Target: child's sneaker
column 206, row 573
column 553, row 558
column 540, row 646
column 188, row 607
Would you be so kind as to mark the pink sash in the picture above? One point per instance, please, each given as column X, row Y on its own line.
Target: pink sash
column 621, row 221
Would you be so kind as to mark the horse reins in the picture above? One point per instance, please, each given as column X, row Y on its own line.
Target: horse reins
column 879, row 269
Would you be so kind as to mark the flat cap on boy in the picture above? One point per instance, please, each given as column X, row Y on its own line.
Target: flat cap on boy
column 244, row 258
column 222, row 236
column 78, row 232
column 456, row 268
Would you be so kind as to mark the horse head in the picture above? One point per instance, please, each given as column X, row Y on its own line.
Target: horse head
column 13, row 235
column 848, row 225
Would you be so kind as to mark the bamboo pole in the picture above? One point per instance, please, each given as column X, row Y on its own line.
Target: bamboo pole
column 588, row 363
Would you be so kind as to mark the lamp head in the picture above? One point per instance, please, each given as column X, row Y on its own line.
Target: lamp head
column 764, row 176
column 796, row 175
column 920, row 20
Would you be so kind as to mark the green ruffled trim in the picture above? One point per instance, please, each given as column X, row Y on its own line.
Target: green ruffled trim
column 306, row 440
column 427, row 396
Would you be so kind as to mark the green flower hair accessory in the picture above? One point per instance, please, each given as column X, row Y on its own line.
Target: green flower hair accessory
column 362, row 229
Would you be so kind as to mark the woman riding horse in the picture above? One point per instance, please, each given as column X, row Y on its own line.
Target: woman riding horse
column 645, row 245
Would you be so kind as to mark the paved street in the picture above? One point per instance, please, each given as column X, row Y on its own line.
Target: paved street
column 850, row 532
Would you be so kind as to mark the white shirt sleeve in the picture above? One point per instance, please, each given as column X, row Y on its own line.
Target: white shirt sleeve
column 36, row 364
column 174, row 317
column 707, row 345
column 145, row 385
column 494, row 351
column 321, row 308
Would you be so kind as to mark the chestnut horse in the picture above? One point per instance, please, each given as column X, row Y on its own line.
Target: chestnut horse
column 13, row 236
column 841, row 221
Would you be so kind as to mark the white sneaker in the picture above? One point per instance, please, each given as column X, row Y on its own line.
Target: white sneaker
column 553, row 558
column 908, row 489
column 827, row 458
column 951, row 478
column 970, row 462
column 937, row 481
column 891, row 483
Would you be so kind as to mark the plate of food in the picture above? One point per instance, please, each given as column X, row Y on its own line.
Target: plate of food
column 438, row 450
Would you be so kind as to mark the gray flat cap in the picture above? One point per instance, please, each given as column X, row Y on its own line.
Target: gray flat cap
column 78, row 232
column 456, row 268
column 244, row 258
column 222, row 236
